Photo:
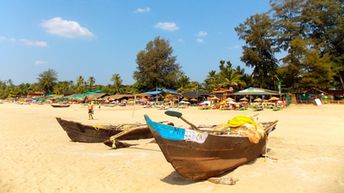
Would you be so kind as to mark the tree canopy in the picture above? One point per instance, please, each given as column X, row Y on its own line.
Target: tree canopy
column 47, row 80
column 227, row 77
column 259, row 49
column 297, row 42
column 117, row 82
column 156, row 66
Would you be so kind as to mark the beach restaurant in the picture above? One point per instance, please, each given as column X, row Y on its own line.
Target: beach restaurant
column 252, row 93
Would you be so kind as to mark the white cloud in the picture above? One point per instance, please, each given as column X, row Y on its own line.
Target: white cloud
column 33, row 43
column 168, row 26
column 66, row 28
column 199, row 40
column 200, row 36
column 142, row 10
column 23, row 41
column 40, row 62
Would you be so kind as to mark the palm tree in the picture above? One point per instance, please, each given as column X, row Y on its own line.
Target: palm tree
column 91, row 81
column 63, row 86
column 117, row 82
column 246, row 79
column 212, row 80
column 79, row 84
column 229, row 76
column 47, row 80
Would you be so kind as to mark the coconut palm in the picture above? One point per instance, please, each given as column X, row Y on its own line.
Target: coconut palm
column 79, row 84
column 91, row 81
column 229, row 76
column 117, row 82
column 212, row 81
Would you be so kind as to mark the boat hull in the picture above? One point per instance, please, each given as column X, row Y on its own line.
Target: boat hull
column 215, row 156
column 60, row 105
column 78, row 132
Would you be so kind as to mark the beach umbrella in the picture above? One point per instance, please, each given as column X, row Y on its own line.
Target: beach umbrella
column 273, row 99
column 244, row 99
column 229, row 99
column 257, row 100
column 214, row 98
column 185, row 99
column 193, row 100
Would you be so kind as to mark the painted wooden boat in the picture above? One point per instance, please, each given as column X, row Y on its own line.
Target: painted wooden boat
column 79, row 132
column 56, row 105
column 200, row 155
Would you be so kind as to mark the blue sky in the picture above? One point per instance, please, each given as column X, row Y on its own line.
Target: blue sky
column 100, row 38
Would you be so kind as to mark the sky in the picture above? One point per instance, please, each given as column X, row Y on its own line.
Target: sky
column 102, row 37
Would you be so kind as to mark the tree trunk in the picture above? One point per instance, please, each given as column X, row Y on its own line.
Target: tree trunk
column 341, row 81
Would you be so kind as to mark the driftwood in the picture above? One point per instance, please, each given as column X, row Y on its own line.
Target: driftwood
column 223, row 180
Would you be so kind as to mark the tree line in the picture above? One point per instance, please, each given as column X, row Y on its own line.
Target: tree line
column 307, row 34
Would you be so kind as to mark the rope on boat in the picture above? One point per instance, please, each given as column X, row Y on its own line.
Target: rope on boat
column 97, row 127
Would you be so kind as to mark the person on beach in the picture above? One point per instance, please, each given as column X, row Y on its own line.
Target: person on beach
column 90, row 110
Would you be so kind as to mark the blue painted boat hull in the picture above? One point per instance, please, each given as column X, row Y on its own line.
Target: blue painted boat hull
column 200, row 161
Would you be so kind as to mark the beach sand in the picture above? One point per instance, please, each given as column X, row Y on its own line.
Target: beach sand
column 37, row 155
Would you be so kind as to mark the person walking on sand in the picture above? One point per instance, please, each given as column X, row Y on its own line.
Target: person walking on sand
column 90, row 110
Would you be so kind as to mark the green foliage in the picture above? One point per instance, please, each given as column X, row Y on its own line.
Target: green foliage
column 156, row 66
column 183, row 81
column 130, row 89
column 80, row 85
column 190, row 86
column 47, row 80
column 91, row 81
column 259, row 52
column 226, row 77
column 311, row 33
column 212, row 81
column 63, row 86
column 307, row 33
column 229, row 77
column 117, row 82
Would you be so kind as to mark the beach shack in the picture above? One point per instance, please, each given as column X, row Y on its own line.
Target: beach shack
column 36, row 97
column 119, row 98
column 159, row 94
column 308, row 96
column 77, row 98
column 252, row 94
column 222, row 93
column 95, row 97
column 190, row 96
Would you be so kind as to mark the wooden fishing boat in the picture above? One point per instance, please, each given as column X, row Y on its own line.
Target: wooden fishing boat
column 79, row 132
column 57, row 105
column 200, row 155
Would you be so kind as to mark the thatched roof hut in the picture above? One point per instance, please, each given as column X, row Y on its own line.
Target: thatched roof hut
column 119, row 97
column 95, row 96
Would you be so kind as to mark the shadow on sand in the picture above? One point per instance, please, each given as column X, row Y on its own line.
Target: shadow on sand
column 175, row 179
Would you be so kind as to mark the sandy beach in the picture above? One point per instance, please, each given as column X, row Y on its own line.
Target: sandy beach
column 37, row 155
